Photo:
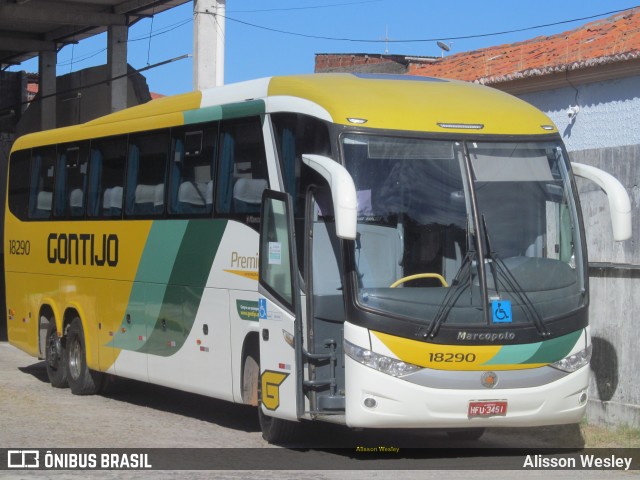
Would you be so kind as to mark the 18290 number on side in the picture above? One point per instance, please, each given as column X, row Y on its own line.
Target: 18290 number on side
column 19, row 247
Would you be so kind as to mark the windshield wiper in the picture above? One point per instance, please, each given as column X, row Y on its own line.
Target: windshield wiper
column 457, row 288
column 498, row 266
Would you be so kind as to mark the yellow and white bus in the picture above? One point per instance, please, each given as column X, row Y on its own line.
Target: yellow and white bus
column 377, row 251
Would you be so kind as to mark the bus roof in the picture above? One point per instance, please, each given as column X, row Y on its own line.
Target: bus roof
column 404, row 102
column 395, row 102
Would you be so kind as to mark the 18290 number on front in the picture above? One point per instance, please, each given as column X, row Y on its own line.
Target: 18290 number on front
column 442, row 357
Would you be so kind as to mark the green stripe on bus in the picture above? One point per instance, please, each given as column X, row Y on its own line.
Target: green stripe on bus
column 185, row 288
column 548, row 351
column 148, row 289
column 233, row 110
column 514, row 354
column 555, row 349
column 161, row 250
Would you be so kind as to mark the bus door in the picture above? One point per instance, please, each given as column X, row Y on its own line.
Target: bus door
column 279, row 311
column 325, row 303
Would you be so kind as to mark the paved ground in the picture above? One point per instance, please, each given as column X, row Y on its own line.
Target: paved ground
column 134, row 415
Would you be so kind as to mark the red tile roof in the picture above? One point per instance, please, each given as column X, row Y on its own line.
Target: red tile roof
column 614, row 39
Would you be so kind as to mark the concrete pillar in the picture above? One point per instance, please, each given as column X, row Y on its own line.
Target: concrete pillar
column 208, row 43
column 47, row 89
column 117, row 36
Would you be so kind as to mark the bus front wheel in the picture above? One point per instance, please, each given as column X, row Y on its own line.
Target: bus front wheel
column 82, row 380
column 54, row 357
column 277, row 430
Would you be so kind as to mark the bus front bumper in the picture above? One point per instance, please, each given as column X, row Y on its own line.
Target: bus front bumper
column 378, row 400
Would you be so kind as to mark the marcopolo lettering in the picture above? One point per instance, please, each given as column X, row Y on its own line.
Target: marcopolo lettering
column 83, row 249
column 490, row 337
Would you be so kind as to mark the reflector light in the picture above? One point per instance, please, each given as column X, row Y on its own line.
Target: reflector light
column 463, row 126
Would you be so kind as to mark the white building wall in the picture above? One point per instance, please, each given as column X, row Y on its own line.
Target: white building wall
column 609, row 113
column 606, row 133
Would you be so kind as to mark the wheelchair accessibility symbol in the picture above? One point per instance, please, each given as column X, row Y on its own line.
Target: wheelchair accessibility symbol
column 501, row 311
column 262, row 308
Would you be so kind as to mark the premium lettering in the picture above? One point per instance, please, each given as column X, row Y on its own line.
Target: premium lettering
column 241, row 261
column 83, row 249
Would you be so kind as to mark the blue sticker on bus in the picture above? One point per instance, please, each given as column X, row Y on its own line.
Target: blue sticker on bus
column 501, row 311
column 262, row 308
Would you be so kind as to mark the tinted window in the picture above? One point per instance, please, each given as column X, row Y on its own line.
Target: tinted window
column 192, row 170
column 43, row 162
column 107, row 158
column 19, row 183
column 242, row 175
column 71, row 180
column 146, row 169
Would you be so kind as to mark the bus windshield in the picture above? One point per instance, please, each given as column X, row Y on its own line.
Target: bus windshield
column 446, row 229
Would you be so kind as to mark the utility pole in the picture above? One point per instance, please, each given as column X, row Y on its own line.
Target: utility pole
column 208, row 43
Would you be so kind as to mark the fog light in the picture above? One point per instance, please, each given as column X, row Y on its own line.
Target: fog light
column 583, row 398
column 370, row 402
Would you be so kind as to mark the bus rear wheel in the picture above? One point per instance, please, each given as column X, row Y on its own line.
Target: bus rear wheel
column 82, row 380
column 54, row 357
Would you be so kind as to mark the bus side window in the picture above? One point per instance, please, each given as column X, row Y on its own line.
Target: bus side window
column 71, row 181
column 192, row 170
column 146, row 167
column 295, row 135
column 106, row 176
column 19, row 183
column 43, row 163
column 242, row 174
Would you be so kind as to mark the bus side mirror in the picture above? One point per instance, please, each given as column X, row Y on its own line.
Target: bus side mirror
column 619, row 203
column 343, row 193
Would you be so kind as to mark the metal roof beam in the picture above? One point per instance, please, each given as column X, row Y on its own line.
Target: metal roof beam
column 134, row 5
column 14, row 44
column 25, row 13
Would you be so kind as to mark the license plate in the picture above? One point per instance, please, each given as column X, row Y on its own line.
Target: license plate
column 487, row 408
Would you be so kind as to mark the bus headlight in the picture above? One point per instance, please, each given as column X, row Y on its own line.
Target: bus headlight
column 383, row 364
column 573, row 362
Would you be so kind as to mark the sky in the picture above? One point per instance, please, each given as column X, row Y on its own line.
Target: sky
column 281, row 37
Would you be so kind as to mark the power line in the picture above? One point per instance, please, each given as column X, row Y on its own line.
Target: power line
column 161, row 31
column 108, row 80
column 418, row 40
column 181, row 23
column 308, row 7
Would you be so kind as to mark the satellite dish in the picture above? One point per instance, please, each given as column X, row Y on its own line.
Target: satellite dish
column 443, row 46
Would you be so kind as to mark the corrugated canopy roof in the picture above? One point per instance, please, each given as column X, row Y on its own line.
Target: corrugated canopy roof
column 28, row 27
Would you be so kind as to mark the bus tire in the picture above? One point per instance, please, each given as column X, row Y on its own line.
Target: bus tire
column 55, row 357
column 277, row 430
column 82, row 380
column 250, row 380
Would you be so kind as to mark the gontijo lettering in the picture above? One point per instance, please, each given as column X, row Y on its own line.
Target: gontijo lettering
column 83, row 249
